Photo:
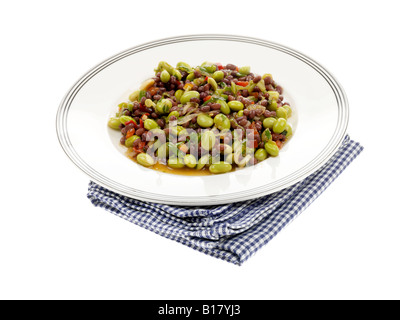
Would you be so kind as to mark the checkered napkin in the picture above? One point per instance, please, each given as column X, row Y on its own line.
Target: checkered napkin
column 232, row 232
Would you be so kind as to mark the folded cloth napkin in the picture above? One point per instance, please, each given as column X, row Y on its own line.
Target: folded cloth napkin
column 232, row 232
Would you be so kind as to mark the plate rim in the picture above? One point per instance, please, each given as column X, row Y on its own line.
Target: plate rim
column 287, row 181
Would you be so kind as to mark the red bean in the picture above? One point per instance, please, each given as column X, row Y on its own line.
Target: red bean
column 257, row 79
column 140, row 131
column 230, row 66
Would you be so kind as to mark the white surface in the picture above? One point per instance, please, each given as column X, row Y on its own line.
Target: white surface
column 95, row 148
column 54, row 244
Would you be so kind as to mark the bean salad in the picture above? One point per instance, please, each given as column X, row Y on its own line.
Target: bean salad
column 210, row 117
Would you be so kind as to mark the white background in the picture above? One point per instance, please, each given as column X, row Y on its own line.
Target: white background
column 55, row 245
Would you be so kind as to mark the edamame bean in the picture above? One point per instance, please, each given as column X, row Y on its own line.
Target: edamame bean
column 149, row 103
column 209, row 66
column 260, row 154
column 218, row 75
column 125, row 119
column 220, row 167
column 173, row 113
column 164, row 66
column 272, row 105
column 288, row 110
column 279, row 125
column 269, row 122
column 175, row 163
column 129, row 142
column 227, row 149
column 162, row 151
column 289, row 130
column 114, row 123
column 177, row 74
column 208, row 140
column 134, row 95
column 204, row 160
column 204, row 120
column 178, row 94
column 165, row 76
column 266, row 135
column 281, row 113
column 150, row 124
column 186, row 96
column 244, row 70
column 184, row 66
column 222, row 122
column 145, row 160
column 224, row 107
column 235, row 105
column 273, row 95
column 271, row 148
column 163, row 106
column 190, row 161
column 190, row 76
column 212, row 83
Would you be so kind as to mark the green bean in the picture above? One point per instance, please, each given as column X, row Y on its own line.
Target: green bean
column 150, row 124
column 224, row 106
column 165, row 76
column 240, row 113
column 212, row 83
column 130, row 140
column 269, row 122
column 260, row 154
column 222, row 122
column 281, row 113
column 218, row 75
column 220, row 167
column 125, row 119
column 190, row 161
column 114, row 123
column 175, row 163
column 204, row 120
column 186, row 96
column 271, row 148
column 279, row 125
column 145, row 160
column 267, row 75
column 208, row 140
column 244, row 70
column 235, row 105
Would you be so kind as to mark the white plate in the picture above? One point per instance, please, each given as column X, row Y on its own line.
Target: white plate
column 320, row 120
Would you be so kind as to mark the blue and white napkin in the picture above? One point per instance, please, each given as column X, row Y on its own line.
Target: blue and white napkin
column 232, row 232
